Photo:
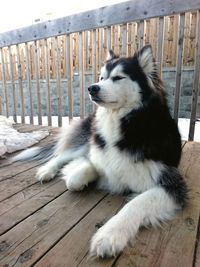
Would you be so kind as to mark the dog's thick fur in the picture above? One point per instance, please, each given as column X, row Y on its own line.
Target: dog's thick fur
column 131, row 144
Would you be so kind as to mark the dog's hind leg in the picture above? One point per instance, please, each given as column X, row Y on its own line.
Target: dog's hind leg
column 52, row 167
column 78, row 174
column 72, row 144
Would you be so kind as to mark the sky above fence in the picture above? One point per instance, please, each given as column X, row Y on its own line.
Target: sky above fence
column 21, row 13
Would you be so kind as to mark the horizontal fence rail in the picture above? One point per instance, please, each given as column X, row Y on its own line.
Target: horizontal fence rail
column 45, row 68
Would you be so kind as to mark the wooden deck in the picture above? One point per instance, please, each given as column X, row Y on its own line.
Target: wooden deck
column 46, row 225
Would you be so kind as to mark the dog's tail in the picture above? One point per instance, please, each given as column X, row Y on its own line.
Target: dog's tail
column 36, row 153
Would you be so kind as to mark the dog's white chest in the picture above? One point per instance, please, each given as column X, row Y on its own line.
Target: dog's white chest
column 118, row 172
column 118, row 169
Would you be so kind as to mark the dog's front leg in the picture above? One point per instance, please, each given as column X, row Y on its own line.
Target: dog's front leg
column 152, row 206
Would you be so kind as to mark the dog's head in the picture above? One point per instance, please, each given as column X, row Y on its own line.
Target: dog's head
column 127, row 82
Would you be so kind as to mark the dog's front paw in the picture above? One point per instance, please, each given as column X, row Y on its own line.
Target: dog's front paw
column 45, row 173
column 73, row 183
column 108, row 241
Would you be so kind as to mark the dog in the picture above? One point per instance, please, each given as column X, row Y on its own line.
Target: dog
column 130, row 144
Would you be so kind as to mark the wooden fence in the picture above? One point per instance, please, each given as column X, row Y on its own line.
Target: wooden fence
column 124, row 40
column 78, row 43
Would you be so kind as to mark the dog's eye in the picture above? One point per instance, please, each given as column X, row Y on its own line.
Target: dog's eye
column 117, row 78
column 101, row 78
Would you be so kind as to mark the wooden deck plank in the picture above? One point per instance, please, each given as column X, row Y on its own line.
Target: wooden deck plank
column 173, row 245
column 31, row 239
column 19, row 182
column 46, row 225
column 11, row 170
column 197, row 256
column 21, row 211
column 24, row 195
column 67, row 250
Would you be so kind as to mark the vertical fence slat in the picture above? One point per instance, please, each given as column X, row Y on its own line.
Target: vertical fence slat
column 6, row 64
column 160, row 41
column 94, row 61
column 58, row 81
column 179, row 62
column 86, row 48
column 124, row 40
column 196, row 83
column 69, row 75
column 4, row 83
column 133, row 38
column 12, row 84
column 141, row 34
column 47, row 78
column 100, row 47
column 81, row 75
column 115, row 41
column 19, row 67
column 108, row 38
column 37, row 82
column 28, row 77
column 112, row 37
column 53, row 63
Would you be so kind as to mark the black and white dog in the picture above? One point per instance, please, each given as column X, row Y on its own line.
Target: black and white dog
column 131, row 143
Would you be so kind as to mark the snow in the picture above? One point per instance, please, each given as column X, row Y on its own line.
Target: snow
column 11, row 140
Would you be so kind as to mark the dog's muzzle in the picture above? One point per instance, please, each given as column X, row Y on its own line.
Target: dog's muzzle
column 93, row 91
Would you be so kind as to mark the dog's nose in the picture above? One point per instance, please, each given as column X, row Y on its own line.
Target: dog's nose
column 93, row 89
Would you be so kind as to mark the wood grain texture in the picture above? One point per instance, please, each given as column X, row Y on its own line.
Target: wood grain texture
column 29, row 85
column 21, row 89
column 160, row 41
column 37, row 78
column 69, row 76
column 179, row 63
column 4, row 83
column 196, row 84
column 58, row 82
column 13, row 86
column 73, row 248
column 38, row 197
column 197, row 255
column 47, row 78
column 82, row 74
column 45, row 228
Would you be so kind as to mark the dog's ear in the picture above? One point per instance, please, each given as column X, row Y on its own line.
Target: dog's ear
column 111, row 55
column 146, row 60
